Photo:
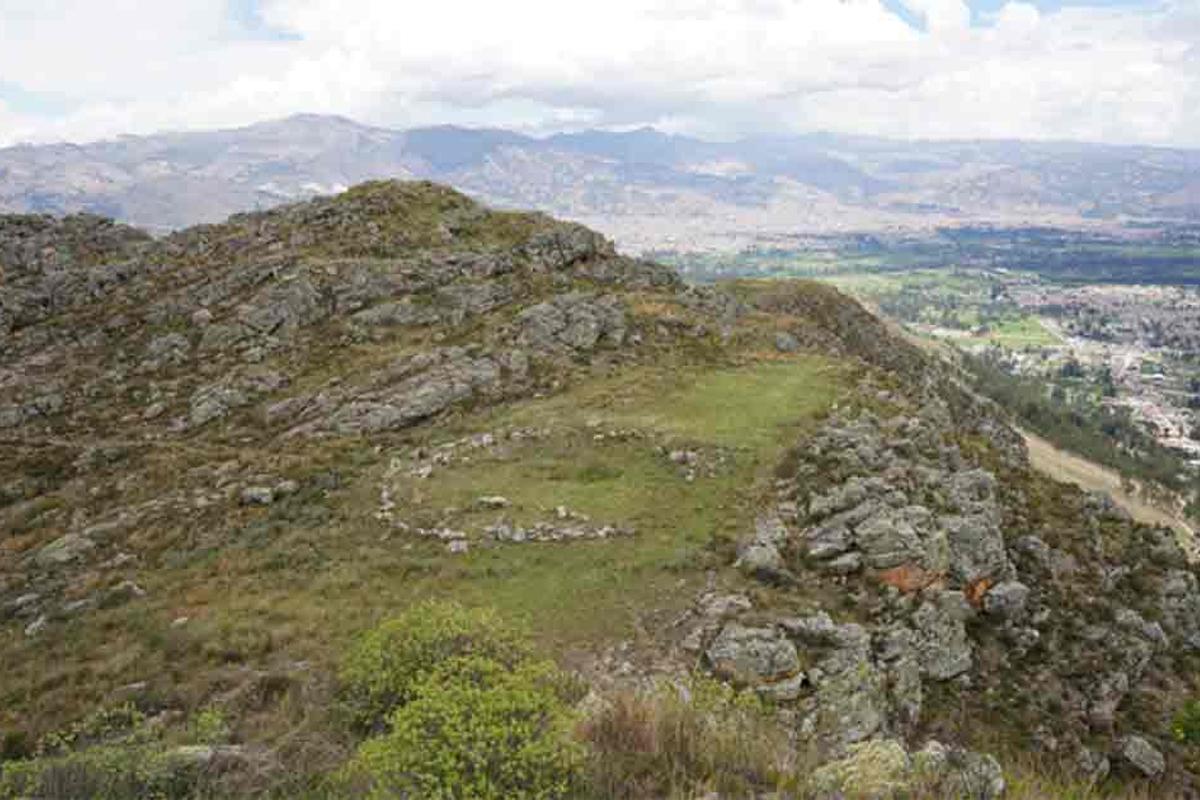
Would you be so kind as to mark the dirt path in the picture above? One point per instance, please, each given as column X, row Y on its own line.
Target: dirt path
column 1064, row 466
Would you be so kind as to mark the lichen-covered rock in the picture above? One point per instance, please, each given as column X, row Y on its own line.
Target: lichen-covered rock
column 66, row 549
column 409, row 401
column 564, row 246
column 573, row 322
column 872, row 770
column 1007, row 600
column 894, row 537
column 1179, row 602
column 942, row 645
column 851, row 702
column 960, row 773
column 786, row 343
column 752, row 655
column 1142, row 756
column 976, row 549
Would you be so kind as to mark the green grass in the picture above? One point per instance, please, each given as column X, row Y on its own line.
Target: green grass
column 294, row 581
column 1022, row 332
column 583, row 592
column 751, row 406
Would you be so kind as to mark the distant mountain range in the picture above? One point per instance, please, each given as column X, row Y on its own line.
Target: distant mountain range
column 645, row 188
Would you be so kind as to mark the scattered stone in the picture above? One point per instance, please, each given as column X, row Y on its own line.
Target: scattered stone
column 257, row 496
column 122, row 593
column 37, row 626
column 786, row 343
column 494, row 502
column 1142, row 756
column 548, row 532
column 762, row 561
column 67, row 549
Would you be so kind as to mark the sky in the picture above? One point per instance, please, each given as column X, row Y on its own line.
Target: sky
column 1117, row 71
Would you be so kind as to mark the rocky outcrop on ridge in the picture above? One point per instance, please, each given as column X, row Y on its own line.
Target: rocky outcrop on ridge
column 921, row 575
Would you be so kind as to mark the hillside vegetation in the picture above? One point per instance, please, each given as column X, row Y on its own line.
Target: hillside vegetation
column 390, row 495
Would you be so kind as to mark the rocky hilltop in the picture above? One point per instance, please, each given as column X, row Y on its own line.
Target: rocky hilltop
column 229, row 450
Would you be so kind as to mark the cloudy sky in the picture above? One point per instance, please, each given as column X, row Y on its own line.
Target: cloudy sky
column 1097, row 70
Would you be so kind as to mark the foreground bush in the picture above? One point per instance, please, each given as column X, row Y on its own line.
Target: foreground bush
column 475, row 730
column 461, row 712
column 388, row 663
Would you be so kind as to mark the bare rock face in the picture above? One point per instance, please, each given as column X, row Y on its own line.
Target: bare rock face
column 957, row 585
column 566, row 246
column 573, row 322
column 942, row 646
column 455, row 380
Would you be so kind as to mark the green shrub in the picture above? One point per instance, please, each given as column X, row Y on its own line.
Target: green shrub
column 123, row 724
column 475, row 729
column 106, row 772
column 115, row 754
column 1185, row 727
column 209, row 726
column 387, row 664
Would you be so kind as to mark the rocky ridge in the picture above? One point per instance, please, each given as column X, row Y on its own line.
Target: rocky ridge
column 908, row 585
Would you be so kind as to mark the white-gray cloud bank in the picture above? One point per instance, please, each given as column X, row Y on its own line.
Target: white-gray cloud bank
column 78, row 70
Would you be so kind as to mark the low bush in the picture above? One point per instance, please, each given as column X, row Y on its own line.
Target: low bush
column 113, row 754
column 106, row 772
column 388, row 663
column 475, row 730
column 1185, row 727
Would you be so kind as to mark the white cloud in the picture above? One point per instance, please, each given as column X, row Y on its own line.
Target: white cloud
column 719, row 67
column 941, row 16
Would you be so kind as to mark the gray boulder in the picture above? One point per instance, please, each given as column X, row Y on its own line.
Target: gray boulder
column 976, row 549
column 961, row 773
column 1007, row 600
column 752, row 656
column 942, row 646
column 416, row 398
column 403, row 313
column 65, row 550
column 565, row 245
column 892, row 538
column 1144, row 757
column 786, row 343
column 573, row 322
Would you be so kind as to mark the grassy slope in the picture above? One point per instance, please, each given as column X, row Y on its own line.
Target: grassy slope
column 292, row 582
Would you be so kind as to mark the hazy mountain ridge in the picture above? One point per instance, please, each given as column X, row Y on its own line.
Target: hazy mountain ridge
column 646, row 188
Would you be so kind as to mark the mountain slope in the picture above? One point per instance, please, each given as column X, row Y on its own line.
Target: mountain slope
column 231, row 449
column 646, row 188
